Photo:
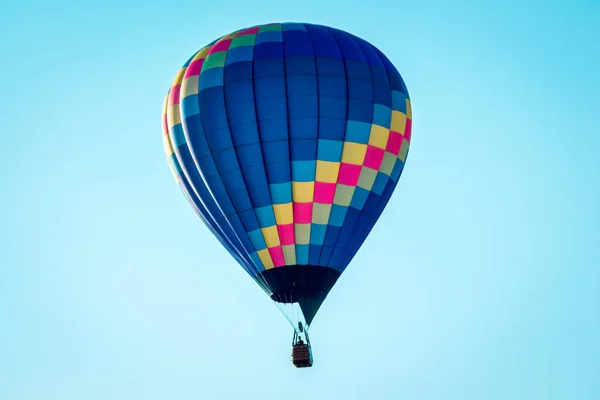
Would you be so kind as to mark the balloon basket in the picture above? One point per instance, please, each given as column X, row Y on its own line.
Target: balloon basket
column 301, row 351
column 302, row 355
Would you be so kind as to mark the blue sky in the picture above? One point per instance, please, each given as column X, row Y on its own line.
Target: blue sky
column 481, row 281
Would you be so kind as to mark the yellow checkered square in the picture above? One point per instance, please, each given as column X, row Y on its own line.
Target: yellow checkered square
column 266, row 259
column 165, row 103
column 271, row 236
column 179, row 76
column 354, row 153
column 398, row 122
column 327, row 171
column 202, row 53
column 284, row 213
column 379, row 136
column 303, row 192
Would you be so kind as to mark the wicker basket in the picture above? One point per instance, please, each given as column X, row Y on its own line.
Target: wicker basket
column 302, row 356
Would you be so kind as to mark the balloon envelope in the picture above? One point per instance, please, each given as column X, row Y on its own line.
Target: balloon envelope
column 288, row 140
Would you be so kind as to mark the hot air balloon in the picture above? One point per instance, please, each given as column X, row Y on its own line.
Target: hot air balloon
column 288, row 140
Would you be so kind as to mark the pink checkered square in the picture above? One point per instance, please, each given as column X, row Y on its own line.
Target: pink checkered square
column 302, row 213
column 324, row 192
column 373, row 157
column 249, row 31
column 394, row 143
column 349, row 174
column 221, row 45
column 408, row 129
column 194, row 68
column 174, row 95
column 286, row 234
column 277, row 256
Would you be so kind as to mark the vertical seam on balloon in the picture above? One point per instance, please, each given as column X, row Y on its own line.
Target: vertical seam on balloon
column 390, row 185
column 312, row 45
column 362, row 235
column 289, row 140
column 218, row 176
column 321, row 261
column 178, row 150
column 362, row 211
column 343, row 59
column 182, row 181
column 258, row 275
column 238, row 247
column 248, row 266
column 388, row 190
column 194, row 198
column 229, row 193
column 268, row 286
column 342, row 227
column 260, row 141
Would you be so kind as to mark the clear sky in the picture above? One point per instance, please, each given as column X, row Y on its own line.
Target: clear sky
column 481, row 280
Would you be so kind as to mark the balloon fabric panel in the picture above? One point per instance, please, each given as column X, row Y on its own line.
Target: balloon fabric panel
column 288, row 140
